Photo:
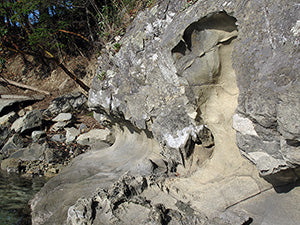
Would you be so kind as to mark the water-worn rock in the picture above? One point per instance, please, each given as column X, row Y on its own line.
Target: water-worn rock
column 66, row 103
column 94, row 136
column 175, row 84
column 96, row 168
column 32, row 119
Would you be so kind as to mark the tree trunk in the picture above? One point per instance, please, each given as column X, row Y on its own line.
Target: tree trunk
column 73, row 76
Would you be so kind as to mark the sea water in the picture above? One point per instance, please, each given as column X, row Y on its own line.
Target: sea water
column 15, row 192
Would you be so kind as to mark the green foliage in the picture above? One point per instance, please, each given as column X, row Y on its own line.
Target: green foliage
column 90, row 114
column 101, row 76
column 117, row 46
column 64, row 26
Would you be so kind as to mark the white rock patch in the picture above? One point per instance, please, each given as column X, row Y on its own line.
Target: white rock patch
column 243, row 125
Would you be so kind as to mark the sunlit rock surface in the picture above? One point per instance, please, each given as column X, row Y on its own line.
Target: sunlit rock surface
column 182, row 80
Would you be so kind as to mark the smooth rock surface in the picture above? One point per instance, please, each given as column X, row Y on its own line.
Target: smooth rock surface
column 31, row 153
column 94, row 136
column 97, row 168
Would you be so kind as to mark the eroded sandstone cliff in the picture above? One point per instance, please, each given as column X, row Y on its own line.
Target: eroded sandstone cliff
column 181, row 80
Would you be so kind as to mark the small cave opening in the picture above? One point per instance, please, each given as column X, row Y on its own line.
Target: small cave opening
column 196, row 55
column 215, row 21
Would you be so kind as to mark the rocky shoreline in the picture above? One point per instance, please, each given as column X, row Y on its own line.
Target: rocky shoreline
column 42, row 142
column 203, row 103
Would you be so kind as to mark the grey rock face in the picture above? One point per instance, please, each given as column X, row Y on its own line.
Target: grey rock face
column 163, row 86
column 166, row 67
column 31, row 153
column 268, row 78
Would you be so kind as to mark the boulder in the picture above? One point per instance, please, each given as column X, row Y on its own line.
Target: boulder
column 58, row 126
column 7, row 103
column 32, row 119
